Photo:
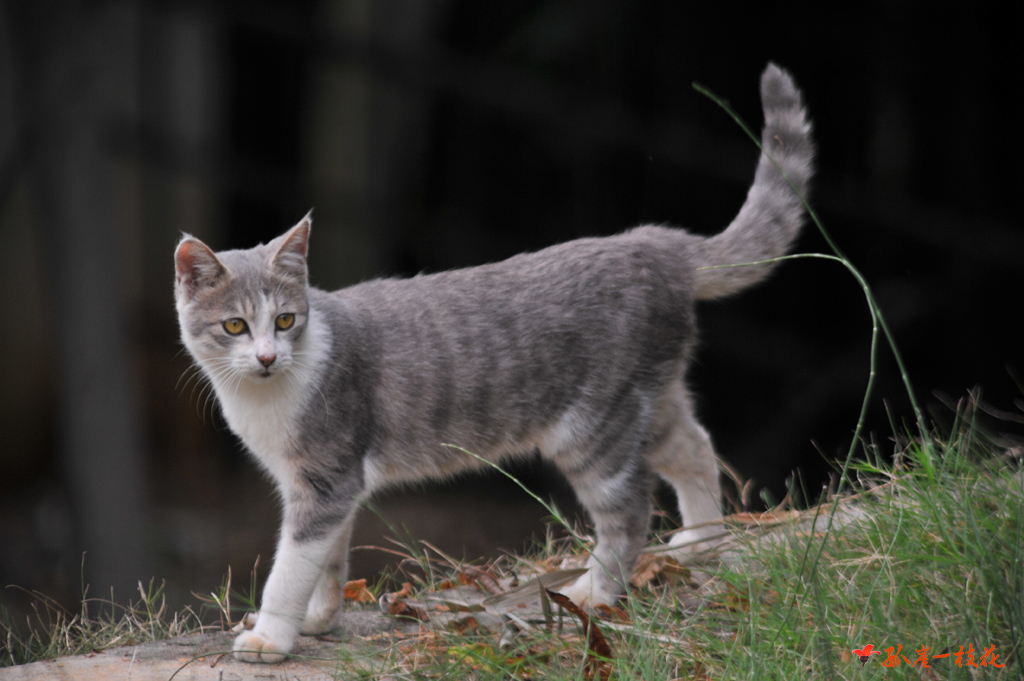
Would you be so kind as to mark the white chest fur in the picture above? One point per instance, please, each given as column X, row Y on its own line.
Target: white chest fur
column 266, row 418
column 266, row 413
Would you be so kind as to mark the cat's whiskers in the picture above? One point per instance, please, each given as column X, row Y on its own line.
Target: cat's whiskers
column 230, row 375
column 218, row 370
column 195, row 370
column 201, row 380
column 198, row 372
column 214, row 369
column 210, row 393
column 237, row 378
column 205, row 385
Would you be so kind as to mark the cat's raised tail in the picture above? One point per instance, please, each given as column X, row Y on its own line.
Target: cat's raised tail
column 773, row 213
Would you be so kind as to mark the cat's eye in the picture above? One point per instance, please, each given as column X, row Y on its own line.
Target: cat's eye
column 235, row 326
column 284, row 321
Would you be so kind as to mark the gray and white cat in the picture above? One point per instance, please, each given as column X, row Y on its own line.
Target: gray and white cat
column 578, row 351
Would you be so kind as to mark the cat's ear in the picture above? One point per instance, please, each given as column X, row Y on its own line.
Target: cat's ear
column 291, row 248
column 196, row 266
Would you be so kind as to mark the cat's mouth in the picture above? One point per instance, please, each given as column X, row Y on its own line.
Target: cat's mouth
column 261, row 374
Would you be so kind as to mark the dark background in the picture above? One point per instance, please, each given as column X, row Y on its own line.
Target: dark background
column 431, row 135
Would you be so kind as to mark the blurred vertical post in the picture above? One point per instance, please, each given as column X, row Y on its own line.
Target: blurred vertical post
column 368, row 135
column 80, row 62
column 337, row 146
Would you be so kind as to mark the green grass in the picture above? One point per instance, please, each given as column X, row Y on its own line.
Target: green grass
column 936, row 563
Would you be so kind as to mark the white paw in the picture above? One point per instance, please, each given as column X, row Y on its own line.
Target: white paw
column 584, row 593
column 690, row 544
column 252, row 647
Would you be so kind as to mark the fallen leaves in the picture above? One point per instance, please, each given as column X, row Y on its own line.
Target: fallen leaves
column 599, row 654
column 611, row 613
column 396, row 604
column 489, row 620
column 357, row 592
column 459, row 624
column 483, row 579
column 656, row 569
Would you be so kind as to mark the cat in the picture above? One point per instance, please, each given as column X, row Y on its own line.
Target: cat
column 578, row 351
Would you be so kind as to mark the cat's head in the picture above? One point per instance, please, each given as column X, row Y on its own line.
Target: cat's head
column 243, row 313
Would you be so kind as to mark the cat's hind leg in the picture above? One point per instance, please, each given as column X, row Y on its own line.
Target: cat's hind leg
column 614, row 485
column 685, row 458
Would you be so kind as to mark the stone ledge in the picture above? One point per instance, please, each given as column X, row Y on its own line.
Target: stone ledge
column 206, row 657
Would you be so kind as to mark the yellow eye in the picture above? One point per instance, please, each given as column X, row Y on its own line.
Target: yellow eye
column 235, row 326
column 285, row 321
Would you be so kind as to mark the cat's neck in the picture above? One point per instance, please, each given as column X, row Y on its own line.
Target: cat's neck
column 266, row 414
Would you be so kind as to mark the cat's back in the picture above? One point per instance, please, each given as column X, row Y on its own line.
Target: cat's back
column 584, row 310
column 629, row 274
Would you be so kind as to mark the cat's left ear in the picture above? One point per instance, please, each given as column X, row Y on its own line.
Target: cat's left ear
column 196, row 266
column 290, row 256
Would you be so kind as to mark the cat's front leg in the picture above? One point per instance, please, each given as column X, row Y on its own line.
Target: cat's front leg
column 329, row 591
column 298, row 566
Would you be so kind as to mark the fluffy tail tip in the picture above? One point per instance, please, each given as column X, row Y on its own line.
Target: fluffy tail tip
column 778, row 91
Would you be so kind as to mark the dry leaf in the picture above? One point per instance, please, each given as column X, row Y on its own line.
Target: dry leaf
column 648, row 566
column 401, row 608
column 395, row 604
column 356, row 590
column 464, row 625
column 653, row 567
column 599, row 652
column 611, row 612
column 483, row 579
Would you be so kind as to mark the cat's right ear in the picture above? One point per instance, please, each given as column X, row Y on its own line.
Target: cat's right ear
column 196, row 266
column 291, row 249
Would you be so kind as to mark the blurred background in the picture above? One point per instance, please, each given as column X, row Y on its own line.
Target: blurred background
column 446, row 133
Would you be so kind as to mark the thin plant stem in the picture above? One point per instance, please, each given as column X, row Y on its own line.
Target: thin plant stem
column 876, row 312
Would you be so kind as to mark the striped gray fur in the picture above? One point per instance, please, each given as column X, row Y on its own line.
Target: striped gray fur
column 578, row 351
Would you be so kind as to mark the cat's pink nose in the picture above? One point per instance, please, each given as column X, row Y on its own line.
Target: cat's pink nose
column 266, row 360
